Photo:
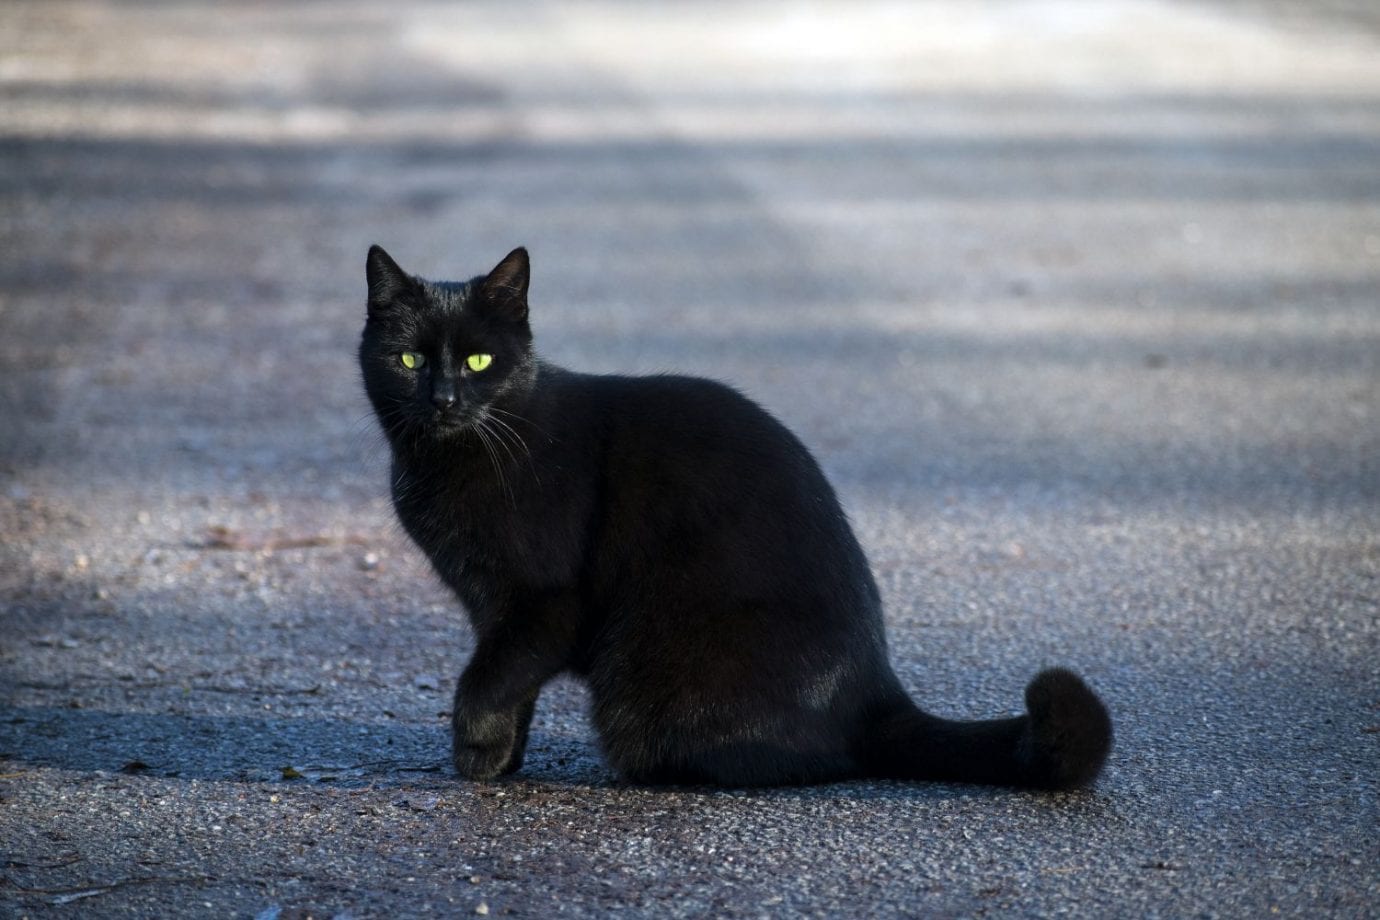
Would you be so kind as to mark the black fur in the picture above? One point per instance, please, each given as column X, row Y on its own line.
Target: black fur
column 674, row 545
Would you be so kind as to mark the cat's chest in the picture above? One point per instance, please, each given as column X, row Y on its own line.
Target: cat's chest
column 515, row 531
column 452, row 517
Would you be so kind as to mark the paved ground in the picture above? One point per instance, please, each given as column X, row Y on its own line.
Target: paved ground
column 1076, row 302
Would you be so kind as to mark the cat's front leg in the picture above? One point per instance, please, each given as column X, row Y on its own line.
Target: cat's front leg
column 483, row 745
column 489, row 743
column 497, row 693
column 520, row 744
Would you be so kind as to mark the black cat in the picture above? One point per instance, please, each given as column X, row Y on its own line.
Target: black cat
column 671, row 543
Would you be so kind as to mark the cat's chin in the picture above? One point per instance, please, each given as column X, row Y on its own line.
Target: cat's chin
column 446, row 428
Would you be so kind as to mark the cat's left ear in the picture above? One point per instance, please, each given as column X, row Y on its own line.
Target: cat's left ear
column 505, row 288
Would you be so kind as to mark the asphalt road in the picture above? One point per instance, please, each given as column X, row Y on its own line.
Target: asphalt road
column 1077, row 303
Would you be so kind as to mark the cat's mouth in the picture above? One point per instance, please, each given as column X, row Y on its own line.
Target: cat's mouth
column 446, row 423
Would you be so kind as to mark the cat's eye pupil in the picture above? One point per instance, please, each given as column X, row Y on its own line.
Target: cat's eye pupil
column 479, row 362
column 412, row 360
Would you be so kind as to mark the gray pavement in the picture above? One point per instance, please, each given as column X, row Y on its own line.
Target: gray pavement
column 1079, row 305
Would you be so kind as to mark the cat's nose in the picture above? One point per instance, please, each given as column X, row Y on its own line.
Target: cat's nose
column 443, row 397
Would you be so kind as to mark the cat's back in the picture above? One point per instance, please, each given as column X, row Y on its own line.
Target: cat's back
column 681, row 454
column 690, row 417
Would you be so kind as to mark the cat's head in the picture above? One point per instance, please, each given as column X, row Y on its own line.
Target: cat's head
column 439, row 358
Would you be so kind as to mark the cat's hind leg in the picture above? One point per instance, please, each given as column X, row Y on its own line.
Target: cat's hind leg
column 743, row 743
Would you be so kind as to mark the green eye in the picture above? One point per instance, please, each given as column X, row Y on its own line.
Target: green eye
column 412, row 359
column 479, row 362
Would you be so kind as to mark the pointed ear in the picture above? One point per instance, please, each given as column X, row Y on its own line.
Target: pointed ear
column 386, row 279
column 505, row 288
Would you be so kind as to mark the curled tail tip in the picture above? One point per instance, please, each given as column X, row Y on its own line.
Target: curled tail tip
column 1069, row 734
column 1056, row 687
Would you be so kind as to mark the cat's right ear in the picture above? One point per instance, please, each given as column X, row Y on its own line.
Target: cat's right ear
column 386, row 280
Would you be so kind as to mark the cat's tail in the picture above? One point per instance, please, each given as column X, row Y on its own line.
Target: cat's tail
column 1060, row 743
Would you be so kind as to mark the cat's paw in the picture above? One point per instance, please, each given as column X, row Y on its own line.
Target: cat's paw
column 515, row 757
column 485, row 748
column 482, row 762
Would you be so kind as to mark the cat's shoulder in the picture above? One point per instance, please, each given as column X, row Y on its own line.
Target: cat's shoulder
column 674, row 411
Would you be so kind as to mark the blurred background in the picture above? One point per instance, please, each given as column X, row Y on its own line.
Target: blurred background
column 1075, row 301
column 986, row 220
